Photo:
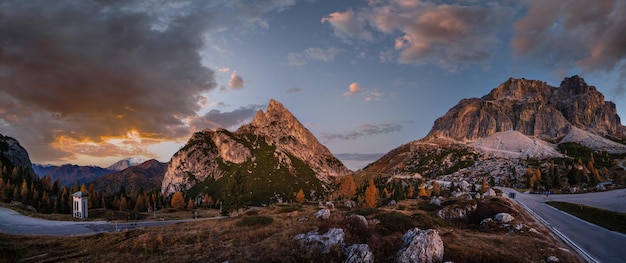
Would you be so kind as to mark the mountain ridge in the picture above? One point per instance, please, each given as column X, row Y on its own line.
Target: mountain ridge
column 518, row 119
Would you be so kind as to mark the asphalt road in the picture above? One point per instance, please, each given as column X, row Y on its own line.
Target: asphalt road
column 601, row 244
column 14, row 223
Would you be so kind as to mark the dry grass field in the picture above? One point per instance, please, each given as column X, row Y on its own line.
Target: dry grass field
column 266, row 235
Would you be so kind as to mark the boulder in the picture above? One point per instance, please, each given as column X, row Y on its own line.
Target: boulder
column 314, row 241
column 455, row 213
column 359, row 253
column 489, row 193
column 464, row 185
column 323, row 214
column 487, row 224
column 423, row 246
column 330, row 205
column 392, row 203
column 358, row 218
column 553, row 259
column 436, row 200
column 503, row 218
column 349, row 204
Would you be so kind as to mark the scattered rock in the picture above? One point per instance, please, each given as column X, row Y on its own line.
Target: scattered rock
column 360, row 219
column 503, row 218
column 534, row 231
column 519, row 227
column 436, row 200
column 553, row 259
column 349, row 204
column 487, row 224
column 375, row 221
column 469, row 197
column 489, row 193
column 392, row 203
column 465, row 186
column 303, row 219
column 457, row 194
column 330, row 205
column 314, row 241
column 421, row 246
column 454, row 213
column 359, row 253
column 323, row 214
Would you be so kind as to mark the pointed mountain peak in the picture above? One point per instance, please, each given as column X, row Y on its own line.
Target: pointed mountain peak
column 275, row 113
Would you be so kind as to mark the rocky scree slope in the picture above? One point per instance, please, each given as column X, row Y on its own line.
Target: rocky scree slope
column 275, row 153
column 518, row 119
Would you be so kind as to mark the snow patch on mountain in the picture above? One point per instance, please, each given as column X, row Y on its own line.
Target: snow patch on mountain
column 125, row 163
column 513, row 144
column 593, row 141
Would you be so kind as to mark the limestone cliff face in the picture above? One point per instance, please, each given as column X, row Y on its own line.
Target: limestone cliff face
column 520, row 118
column 533, row 108
column 12, row 154
column 282, row 129
column 199, row 159
column 275, row 149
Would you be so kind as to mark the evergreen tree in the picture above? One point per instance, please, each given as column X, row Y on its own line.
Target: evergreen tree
column 178, row 201
column 347, row 190
column 235, row 194
column 300, row 196
column 371, row 195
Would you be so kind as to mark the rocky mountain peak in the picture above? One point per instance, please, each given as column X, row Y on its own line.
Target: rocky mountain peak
column 576, row 85
column 274, row 144
column 521, row 89
column 532, row 108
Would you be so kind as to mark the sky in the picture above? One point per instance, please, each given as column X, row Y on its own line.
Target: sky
column 94, row 81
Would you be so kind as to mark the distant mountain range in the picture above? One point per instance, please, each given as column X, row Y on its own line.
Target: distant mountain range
column 147, row 176
column 68, row 174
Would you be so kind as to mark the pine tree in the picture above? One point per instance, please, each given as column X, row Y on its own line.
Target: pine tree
column 300, row 196
column 371, row 195
column 347, row 190
column 178, row 201
column 190, row 204
column 123, row 204
column 484, row 185
column 436, row 188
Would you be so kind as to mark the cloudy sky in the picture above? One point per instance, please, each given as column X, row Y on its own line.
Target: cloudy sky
column 94, row 81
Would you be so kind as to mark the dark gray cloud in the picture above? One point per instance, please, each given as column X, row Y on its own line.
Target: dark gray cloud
column 363, row 131
column 227, row 120
column 589, row 34
column 294, row 90
column 79, row 72
column 449, row 35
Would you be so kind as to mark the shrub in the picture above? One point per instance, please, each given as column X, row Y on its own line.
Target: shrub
column 396, row 222
column 255, row 221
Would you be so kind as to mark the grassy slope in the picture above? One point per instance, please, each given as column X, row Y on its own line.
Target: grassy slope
column 265, row 178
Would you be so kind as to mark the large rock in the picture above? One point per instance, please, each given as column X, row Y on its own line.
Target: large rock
column 359, row 253
column 456, row 213
column 323, row 214
column 335, row 237
column 503, row 218
column 489, row 193
column 423, row 246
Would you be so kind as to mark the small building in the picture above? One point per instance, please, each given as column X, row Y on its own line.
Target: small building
column 80, row 204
